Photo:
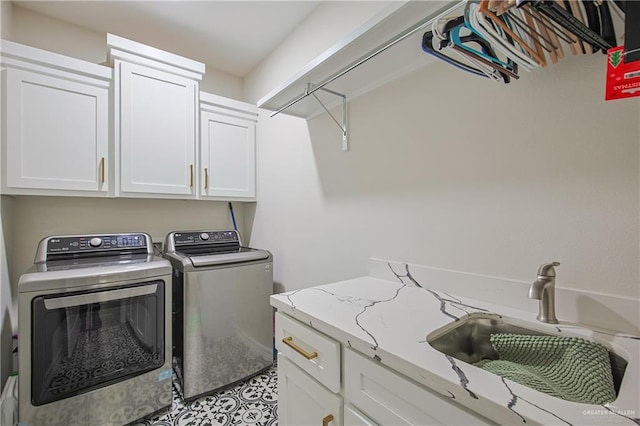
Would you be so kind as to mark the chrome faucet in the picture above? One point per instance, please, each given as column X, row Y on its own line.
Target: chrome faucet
column 543, row 289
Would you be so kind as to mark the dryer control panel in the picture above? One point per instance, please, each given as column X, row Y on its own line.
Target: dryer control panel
column 93, row 245
column 205, row 237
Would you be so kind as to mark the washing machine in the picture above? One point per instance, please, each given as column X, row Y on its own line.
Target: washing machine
column 222, row 320
column 94, row 322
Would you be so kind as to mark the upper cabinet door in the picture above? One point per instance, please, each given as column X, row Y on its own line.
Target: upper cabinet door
column 228, row 147
column 57, row 134
column 158, row 129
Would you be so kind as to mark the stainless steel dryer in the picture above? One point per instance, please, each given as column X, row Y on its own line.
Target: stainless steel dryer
column 222, row 320
column 94, row 320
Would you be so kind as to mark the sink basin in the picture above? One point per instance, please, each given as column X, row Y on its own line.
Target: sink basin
column 468, row 340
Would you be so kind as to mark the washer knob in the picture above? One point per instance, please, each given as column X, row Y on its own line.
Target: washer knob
column 204, row 236
column 95, row 242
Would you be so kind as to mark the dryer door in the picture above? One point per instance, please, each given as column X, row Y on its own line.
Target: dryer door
column 85, row 340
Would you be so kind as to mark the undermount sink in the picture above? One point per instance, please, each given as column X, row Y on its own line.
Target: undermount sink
column 468, row 340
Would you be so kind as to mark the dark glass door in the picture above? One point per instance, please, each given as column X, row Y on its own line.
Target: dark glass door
column 85, row 340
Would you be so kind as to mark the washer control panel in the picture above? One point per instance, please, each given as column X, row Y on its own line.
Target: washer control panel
column 205, row 237
column 86, row 243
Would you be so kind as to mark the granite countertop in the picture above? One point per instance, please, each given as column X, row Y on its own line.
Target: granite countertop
column 389, row 321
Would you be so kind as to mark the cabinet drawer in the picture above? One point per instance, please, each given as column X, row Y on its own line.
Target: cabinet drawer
column 304, row 402
column 353, row 417
column 310, row 350
column 389, row 399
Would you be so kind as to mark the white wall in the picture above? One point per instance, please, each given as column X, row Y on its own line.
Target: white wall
column 8, row 310
column 5, row 18
column 222, row 84
column 37, row 30
column 51, row 34
column 449, row 170
column 37, row 217
column 329, row 22
column 6, row 322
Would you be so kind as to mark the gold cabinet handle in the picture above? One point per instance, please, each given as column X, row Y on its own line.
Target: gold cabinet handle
column 190, row 175
column 328, row 418
column 206, row 178
column 102, row 170
column 289, row 342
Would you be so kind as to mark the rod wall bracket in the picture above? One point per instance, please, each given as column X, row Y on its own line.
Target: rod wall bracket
column 343, row 127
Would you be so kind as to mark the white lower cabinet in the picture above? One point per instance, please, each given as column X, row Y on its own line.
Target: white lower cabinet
column 386, row 398
column 322, row 383
column 353, row 417
column 302, row 400
column 308, row 375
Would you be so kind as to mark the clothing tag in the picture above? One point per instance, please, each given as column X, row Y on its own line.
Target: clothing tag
column 623, row 79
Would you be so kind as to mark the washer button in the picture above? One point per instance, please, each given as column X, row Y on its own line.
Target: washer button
column 204, row 236
column 95, row 242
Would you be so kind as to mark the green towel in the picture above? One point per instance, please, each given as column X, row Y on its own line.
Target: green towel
column 570, row 368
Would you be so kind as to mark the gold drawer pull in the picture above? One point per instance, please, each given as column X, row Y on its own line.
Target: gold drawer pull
column 328, row 418
column 289, row 342
column 191, row 176
column 206, row 178
column 102, row 170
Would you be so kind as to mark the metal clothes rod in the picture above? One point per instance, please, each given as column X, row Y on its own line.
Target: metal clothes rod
column 408, row 32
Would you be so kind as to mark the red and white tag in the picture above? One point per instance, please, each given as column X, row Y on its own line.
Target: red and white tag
column 623, row 80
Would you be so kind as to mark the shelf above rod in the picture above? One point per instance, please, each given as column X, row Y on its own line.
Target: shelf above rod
column 448, row 8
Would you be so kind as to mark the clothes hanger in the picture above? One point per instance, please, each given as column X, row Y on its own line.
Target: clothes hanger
column 540, row 38
column 546, row 38
column 574, row 7
column 503, row 72
column 497, row 38
column 548, row 32
column 553, row 26
column 500, row 40
column 467, row 63
column 555, row 31
column 564, row 4
column 483, row 9
column 593, row 17
column 484, row 59
column 607, row 30
column 555, row 10
column 556, row 49
column 457, row 40
column 427, row 47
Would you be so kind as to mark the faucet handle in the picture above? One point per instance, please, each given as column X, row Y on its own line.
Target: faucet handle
column 547, row 269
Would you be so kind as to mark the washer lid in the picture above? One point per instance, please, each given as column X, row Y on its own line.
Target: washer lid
column 245, row 254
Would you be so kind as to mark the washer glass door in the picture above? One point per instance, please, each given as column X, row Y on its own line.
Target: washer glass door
column 85, row 340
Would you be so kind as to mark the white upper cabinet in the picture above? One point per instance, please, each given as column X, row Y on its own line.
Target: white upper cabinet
column 139, row 129
column 56, row 124
column 156, row 121
column 227, row 148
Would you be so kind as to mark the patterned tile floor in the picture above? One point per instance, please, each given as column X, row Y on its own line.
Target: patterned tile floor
column 251, row 402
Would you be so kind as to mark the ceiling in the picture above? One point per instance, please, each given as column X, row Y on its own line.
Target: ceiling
column 231, row 36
